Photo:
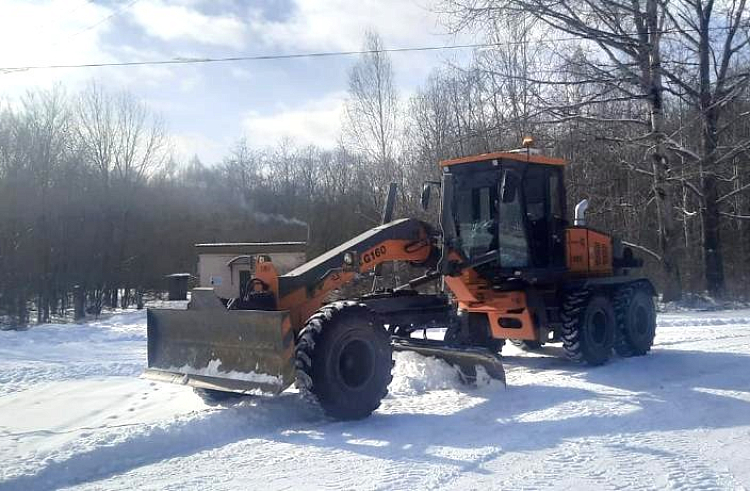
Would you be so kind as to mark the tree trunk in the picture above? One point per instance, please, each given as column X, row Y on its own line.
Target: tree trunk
column 125, row 299
column 22, row 312
column 667, row 231
column 97, row 301
column 713, row 260
column 79, row 303
column 39, row 309
column 47, row 304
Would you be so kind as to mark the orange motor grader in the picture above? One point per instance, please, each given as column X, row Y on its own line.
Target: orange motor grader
column 512, row 268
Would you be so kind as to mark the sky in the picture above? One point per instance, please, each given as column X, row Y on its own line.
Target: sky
column 208, row 107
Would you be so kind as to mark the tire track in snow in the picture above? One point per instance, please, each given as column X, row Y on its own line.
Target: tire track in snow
column 676, row 461
column 15, row 379
column 622, row 461
column 669, row 321
column 116, row 452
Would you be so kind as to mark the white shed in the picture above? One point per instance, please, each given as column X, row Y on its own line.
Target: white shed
column 225, row 266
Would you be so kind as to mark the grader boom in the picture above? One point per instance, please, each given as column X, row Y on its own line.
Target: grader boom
column 514, row 269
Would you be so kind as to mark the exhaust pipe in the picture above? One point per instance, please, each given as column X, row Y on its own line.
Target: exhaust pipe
column 580, row 213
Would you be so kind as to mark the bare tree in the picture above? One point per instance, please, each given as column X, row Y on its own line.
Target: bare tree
column 371, row 114
column 123, row 142
column 626, row 63
column 710, row 72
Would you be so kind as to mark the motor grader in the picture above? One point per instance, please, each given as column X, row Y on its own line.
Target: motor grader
column 510, row 267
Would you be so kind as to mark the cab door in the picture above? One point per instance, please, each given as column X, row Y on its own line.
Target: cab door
column 543, row 203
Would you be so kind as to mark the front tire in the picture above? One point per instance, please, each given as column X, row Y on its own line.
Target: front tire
column 344, row 359
column 589, row 327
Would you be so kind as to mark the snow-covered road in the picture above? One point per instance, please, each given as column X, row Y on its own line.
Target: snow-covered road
column 73, row 413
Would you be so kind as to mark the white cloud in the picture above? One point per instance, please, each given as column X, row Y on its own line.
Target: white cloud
column 340, row 24
column 54, row 32
column 317, row 122
column 179, row 22
column 331, row 25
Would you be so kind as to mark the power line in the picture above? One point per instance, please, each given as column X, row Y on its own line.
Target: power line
column 293, row 56
column 103, row 20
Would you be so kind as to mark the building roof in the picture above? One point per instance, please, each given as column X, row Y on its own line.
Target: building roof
column 517, row 156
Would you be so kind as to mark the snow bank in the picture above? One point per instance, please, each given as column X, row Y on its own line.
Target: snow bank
column 128, row 326
column 694, row 302
column 114, row 346
column 416, row 374
column 705, row 318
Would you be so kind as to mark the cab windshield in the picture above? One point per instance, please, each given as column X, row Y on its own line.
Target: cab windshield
column 489, row 216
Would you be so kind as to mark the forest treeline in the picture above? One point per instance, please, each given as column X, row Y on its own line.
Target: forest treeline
column 648, row 101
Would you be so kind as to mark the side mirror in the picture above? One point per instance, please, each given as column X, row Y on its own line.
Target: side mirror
column 425, row 197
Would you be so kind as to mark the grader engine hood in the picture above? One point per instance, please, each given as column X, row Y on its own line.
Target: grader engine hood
column 210, row 347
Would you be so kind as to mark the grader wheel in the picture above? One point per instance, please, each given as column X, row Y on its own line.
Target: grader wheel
column 636, row 321
column 589, row 327
column 343, row 359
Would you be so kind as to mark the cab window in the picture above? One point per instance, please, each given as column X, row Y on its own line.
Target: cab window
column 476, row 219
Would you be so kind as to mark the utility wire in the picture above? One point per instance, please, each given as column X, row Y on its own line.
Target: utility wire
column 320, row 54
column 105, row 19
column 291, row 56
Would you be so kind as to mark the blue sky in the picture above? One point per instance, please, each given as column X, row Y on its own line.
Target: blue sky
column 208, row 107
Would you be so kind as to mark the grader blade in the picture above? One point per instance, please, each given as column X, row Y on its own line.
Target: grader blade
column 210, row 347
column 464, row 358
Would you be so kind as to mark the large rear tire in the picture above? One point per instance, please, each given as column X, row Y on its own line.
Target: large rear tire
column 636, row 321
column 589, row 327
column 344, row 360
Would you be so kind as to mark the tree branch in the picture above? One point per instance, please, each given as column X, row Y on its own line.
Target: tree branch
column 736, row 191
column 644, row 249
column 736, row 217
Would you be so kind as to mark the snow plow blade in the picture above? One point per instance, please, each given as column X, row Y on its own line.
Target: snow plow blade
column 210, row 347
column 464, row 358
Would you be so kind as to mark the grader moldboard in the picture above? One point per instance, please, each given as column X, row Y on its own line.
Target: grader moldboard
column 515, row 270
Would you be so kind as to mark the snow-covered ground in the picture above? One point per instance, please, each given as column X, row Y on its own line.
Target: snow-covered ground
column 73, row 413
